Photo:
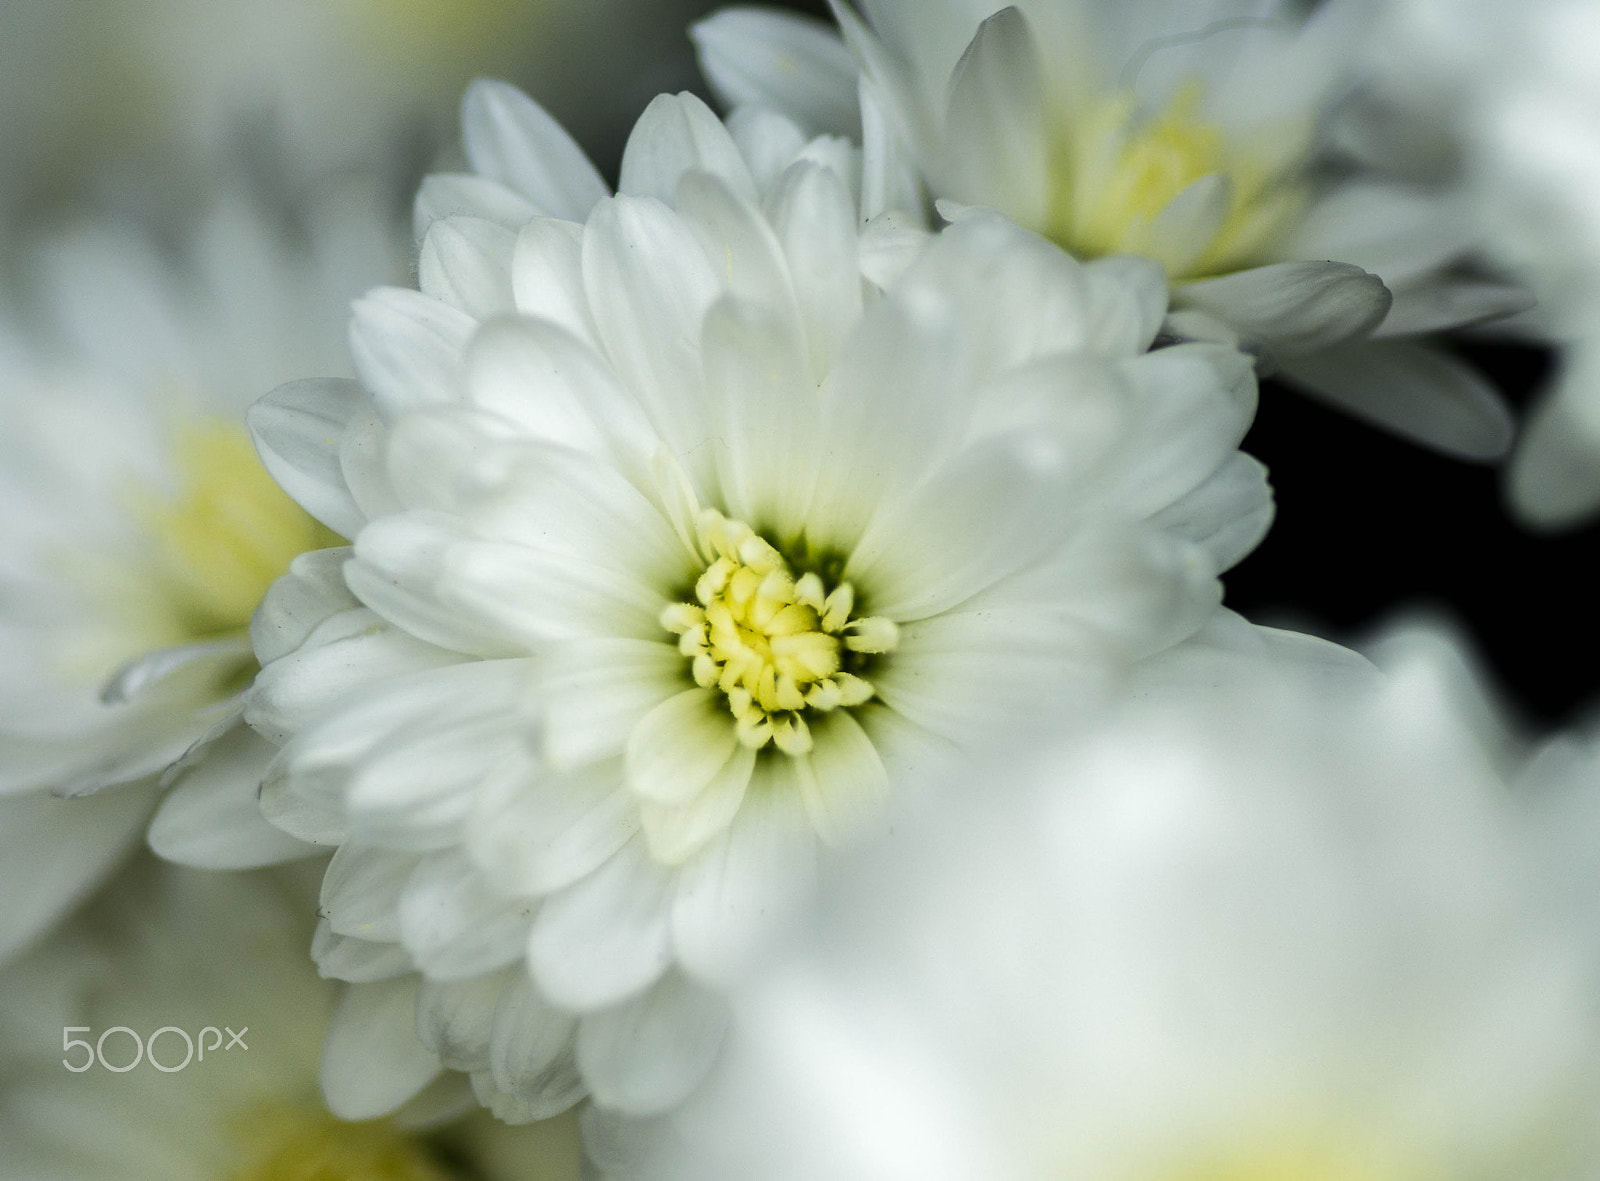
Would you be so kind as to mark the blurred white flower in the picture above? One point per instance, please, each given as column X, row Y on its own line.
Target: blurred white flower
column 1298, row 927
column 138, row 532
column 182, row 961
column 1184, row 133
column 1514, row 92
column 676, row 543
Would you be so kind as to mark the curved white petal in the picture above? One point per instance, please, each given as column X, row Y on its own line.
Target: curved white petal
column 297, row 430
column 454, row 926
column 791, row 63
column 678, row 134
column 372, row 1061
column 512, row 139
column 466, row 263
column 1295, row 307
column 646, row 1055
column 407, row 348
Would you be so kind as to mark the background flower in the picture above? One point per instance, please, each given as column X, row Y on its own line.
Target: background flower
column 1303, row 926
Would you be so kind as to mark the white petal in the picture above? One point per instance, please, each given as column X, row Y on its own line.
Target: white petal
column 547, row 275
column 1554, row 478
column 297, row 430
column 314, row 821
column 676, row 831
column 372, row 1061
column 1452, row 303
column 768, row 141
column 1419, row 393
column 361, row 892
column 398, row 564
column 511, row 139
column 1394, row 231
column 678, row 134
column 466, row 263
column 559, row 391
column 1295, row 307
column 460, row 194
column 739, row 243
column 646, row 1055
column 1227, row 516
column 814, row 218
column 995, row 134
column 598, row 690
column 1127, row 301
column 842, row 781
column 356, row 961
column 361, row 460
column 649, row 286
column 889, row 177
column 455, row 1019
column 312, row 591
column 211, row 819
column 53, row 852
column 344, row 653
column 765, row 415
column 454, row 926
column 679, row 747
column 530, row 1048
column 992, row 511
column 889, row 244
column 734, row 898
column 1183, row 230
column 407, row 348
column 533, row 832
column 793, row 64
column 607, row 937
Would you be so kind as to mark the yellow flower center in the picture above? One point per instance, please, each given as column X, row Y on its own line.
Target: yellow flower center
column 776, row 645
column 292, row 1143
column 1118, row 171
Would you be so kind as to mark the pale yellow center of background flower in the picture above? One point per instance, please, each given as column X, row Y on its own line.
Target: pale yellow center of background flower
column 1117, row 173
column 293, row 1143
column 204, row 550
column 775, row 644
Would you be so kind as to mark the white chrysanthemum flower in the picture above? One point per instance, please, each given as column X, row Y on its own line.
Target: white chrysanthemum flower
column 1296, row 928
column 140, row 532
column 183, row 961
column 1184, row 133
column 676, row 543
column 1512, row 93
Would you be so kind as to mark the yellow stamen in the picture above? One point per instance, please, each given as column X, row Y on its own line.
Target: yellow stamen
column 774, row 644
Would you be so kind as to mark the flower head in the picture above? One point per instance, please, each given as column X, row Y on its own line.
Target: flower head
column 141, row 532
column 677, row 542
column 1194, row 138
column 1300, row 925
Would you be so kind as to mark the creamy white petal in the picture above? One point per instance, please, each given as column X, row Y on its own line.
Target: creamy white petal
column 558, row 390
column 814, row 218
column 739, row 243
column 646, row 1055
column 1127, row 302
column 1452, row 303
column 1180, row 233
column 361, row 891
column 995, row 126
column 889, row 180
column 791, row 63
column 212, row 819
column 530, row 1047
column 357, row 961
column 533, row 831
column 1227, row 516
column 1295, row 307
column 455, row 1019
column 1420, row 393
column 372, row 1061
column 768, row 141
column 1554, row 478
column 311, row 591
column 889, row 244
column 466, row 263
column 407, row 348
column 512, row 139
column 676, row 831
column 735, row 896
column 595, row 692
column 454, row 926
column 361, row 460
column 678, row 134
column 842, row 781
column 297, row 430
column 1394, row 231
column 314, row 821
column 649, row 287
column 461, row 194
column 547, row 275
column 680, row 746
column 606, row 937
column 764, row 413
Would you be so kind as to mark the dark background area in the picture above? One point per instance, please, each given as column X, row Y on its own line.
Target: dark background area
column 1368, row 524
